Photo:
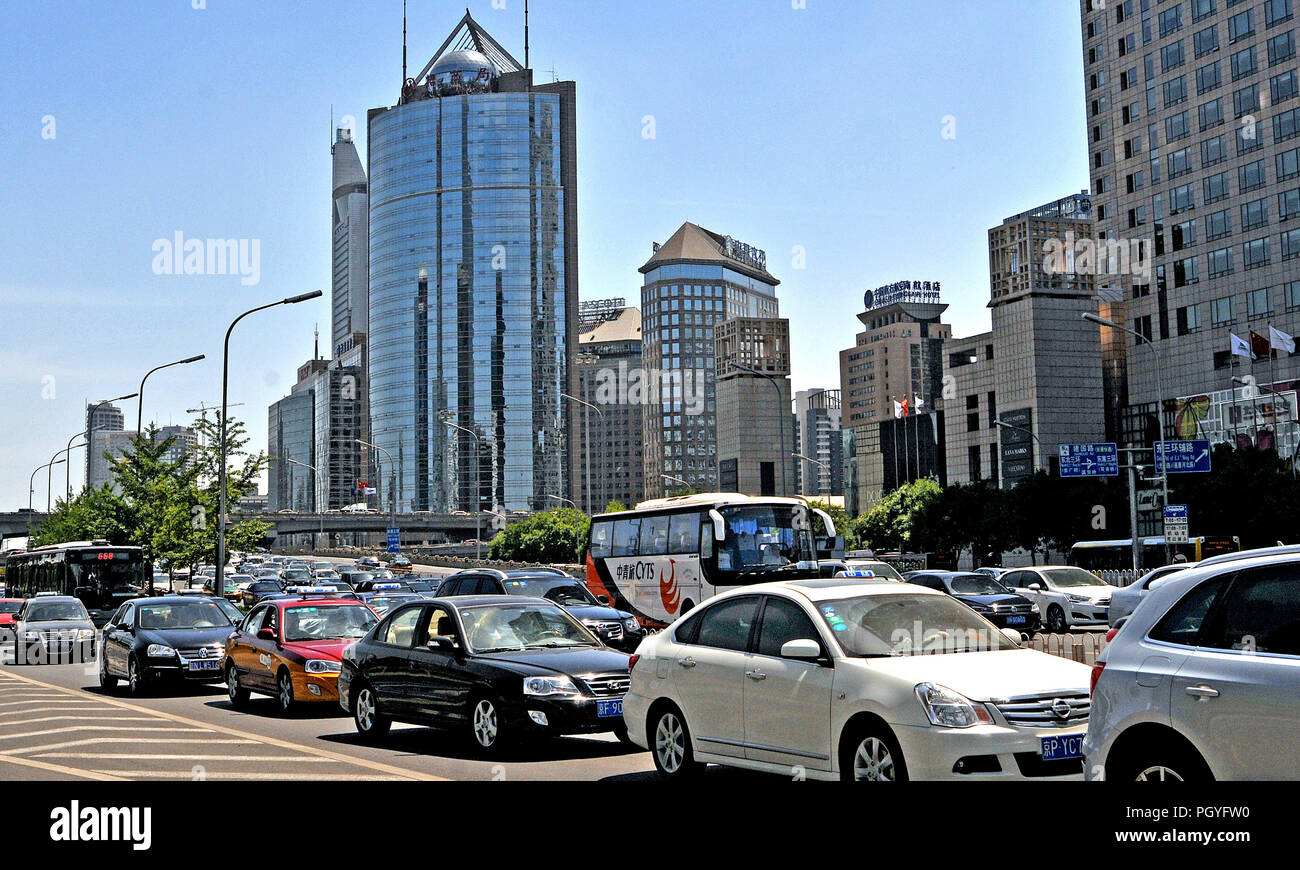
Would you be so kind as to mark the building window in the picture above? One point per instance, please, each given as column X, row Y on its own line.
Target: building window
column 1218, row 225
column 1241, row 26
column 1245, row 100
column 1220, row 262
column 1213, row 151
column 1254, row 214
column 1259, row 303
column 973, row 457
column 1189, row 319
column 1276, row 11
column 1284, row 87
column 1288, row 164
column 1221, row 311
column 1215, row 188
column 1281, row 48
column 972, row 422
column 1291, row 244
column 1255, row 253
column 1292, row 295
column 1243, row 63
column 1208, row 78
column 1251, row 176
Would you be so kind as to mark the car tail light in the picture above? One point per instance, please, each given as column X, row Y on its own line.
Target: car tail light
column 631, row 663
column 1096, row 673
column 1110, row 635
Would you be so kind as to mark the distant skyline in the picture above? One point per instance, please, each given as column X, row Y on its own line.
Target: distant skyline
column 816, row 134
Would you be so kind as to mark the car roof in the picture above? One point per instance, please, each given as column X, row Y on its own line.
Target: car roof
column 327, row 599
column 825, row 590
column 1285, row 550
column 55, row 598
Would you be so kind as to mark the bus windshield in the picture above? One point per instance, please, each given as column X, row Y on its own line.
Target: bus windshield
column 763, row 538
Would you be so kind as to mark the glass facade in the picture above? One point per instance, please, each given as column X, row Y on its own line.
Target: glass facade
column 290, row 430
column 469, row 301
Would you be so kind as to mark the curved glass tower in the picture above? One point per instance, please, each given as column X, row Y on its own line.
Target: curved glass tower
column 473, row 284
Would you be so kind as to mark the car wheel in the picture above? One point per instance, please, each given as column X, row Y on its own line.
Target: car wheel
column 238, row 695
column 135, row 681
column 1056, row 623
column 871, row 754
column 486, row 725
column 284, row 693
column 106, row 680
column 1163, row 764
column 365, row 714
column 670, row 745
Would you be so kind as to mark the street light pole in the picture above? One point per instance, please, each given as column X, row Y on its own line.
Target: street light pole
column 31, row 482
column 1160, row 411
column 392, row 501
column 139, row 413
column 783, row 423
column 315, row 478
column 816, row 462
column 221, row 446
column 567, row 501
column 586, row 437
column 446, row 418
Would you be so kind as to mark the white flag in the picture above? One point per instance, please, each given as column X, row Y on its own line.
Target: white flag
column 1280, row 339
column 898, row 410
column 1240, row 347
column 920, row 403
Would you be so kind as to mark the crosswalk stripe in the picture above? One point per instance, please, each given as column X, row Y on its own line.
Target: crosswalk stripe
column 81, row 719
column 144, row 756
column 59, row 768
column 136, row 730
column 30, row 750
column 239, row 775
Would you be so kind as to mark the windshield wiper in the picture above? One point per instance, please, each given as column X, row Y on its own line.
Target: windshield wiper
column 497, row 649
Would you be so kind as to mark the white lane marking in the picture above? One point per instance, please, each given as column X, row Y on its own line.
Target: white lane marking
column 97, row 741
column 58, row 768
column 144, row 756
column 91, row 728
column 64, row 707
column 238, row 775
column 81, row 719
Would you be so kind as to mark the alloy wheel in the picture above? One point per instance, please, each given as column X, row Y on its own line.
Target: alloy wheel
column 670, row 743
column 485, row 723
column 1159, row 773
column 873, row 762
column 365, row 710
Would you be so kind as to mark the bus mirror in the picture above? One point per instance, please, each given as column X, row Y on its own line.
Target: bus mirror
column 719, row 526
column 826, row 521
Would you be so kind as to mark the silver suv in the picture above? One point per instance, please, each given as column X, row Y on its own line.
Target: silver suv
column 1203, row 680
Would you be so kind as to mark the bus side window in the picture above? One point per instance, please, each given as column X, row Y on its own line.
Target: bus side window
column 600, row 540
column 683, row 533
column 654, row 535
column 626, row 533
column 706, row 537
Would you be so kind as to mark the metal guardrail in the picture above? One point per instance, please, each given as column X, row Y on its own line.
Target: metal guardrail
column 1122, row 577
column 1082, row 648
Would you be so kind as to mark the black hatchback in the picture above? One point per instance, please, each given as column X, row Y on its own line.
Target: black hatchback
column 495, row 668
column 986, row 596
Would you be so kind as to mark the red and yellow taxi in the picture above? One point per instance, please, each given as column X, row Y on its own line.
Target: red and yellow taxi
column 8, row 607
column 400, row 565
column 289, row 647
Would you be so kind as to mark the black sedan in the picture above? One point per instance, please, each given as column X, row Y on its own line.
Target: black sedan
column 986, row 596
column 617, row 628
column 174, row 638
column 495, row 668
column 260, row 589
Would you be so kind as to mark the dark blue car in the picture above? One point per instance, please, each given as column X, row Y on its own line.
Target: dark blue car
column 986, row 596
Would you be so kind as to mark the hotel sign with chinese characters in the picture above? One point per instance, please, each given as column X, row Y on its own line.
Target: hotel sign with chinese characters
column 747, row 254
column 901, row 291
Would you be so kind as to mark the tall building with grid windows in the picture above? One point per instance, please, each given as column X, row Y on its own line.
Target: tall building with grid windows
column 473, row 276
column 692, row 283
column 1193, row 112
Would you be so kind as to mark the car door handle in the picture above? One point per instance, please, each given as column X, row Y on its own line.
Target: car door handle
column 686, row 662
column 1202, row 691
column 756, row 675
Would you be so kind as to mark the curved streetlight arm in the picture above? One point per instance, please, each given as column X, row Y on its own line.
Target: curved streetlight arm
column 139, row 412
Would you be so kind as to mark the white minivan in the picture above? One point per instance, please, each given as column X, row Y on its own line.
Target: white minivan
column 841, row 679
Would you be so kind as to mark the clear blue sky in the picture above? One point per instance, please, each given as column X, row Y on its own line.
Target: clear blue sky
column 817, row 127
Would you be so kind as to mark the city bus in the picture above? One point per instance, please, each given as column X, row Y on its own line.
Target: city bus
column 1118, row 555
column 663, row 558
column 101, row 575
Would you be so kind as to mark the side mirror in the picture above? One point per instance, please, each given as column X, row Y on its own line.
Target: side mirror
column 1014, row 635
column 803, row 649
column 441, row 643
column 266, row 634
column 603, row 599
column 1035, row 587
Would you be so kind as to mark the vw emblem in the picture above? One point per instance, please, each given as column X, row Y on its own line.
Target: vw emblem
column 203, row 654
column 1060, row 709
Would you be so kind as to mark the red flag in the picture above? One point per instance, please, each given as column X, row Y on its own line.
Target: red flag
column 1259, row 345
column 905, row 409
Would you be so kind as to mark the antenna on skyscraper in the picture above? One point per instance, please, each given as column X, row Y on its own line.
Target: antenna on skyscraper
column 316, row 331
column 525, row 34
column 403, row 41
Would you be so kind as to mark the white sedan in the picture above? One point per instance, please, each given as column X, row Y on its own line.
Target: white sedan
column 839, row 679
column 1066, row 596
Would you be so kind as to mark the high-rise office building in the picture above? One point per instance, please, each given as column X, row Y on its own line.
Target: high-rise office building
column 755, row 432
column 291, row 434
column 896, row 431
column 1193, row 112
column 1040, row 369
column 313, row 439
column 473, row 283
column 692, row 282
column 610, row 376
column 187, row 440
column 105, row 433
column 817, row 414
column 350, row 223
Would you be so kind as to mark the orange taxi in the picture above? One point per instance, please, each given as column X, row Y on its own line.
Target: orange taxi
column 289, row 647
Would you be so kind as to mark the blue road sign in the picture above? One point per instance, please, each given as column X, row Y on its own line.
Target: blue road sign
column 1099, row 459
column 1176, row 512
column 394, row 540
column 1183, row 457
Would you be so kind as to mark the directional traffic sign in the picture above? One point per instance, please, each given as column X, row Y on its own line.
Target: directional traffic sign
column 1183, row 457
column 1099, row 459
column 394, row 540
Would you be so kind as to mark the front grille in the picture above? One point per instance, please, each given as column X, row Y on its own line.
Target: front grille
column 214, row 653
column 1037, row 711
column 609, row 685
column 1013, row 608
column 609, row 629
column 68, row 635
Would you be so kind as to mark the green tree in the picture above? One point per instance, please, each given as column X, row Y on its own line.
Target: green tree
column 887, row 525
column 1249, row 493
column 94, row 514
column 615, row 507
column 844, row 524
column 552, row 536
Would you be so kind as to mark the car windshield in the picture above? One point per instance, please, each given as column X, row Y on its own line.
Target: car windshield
column 295, row 574
column 182, row 616
column 764, row 538
column 500, row 627
column 330, row 622
column 1072, row 577
column 56, row 611
column 976, row 584
column 561, row 590
column 419, row 586
column 10, row 606
column 875, row 626
column 381, row 604
column 358, row 577
column 880, row 569
column 265, row 586
column 233, row 613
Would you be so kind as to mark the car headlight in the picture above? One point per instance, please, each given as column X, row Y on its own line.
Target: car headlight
column 86, row 634
column 1077, row 599
column 630, row 624
column 158, row 651
column 323, row 666
column 980, row 608
column 549, row 686
column 948, row 709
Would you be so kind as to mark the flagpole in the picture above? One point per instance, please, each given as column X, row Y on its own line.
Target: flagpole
column 1254, row 396
column 1232, row 390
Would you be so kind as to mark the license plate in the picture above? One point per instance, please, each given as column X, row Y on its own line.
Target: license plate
column 608, row 709
column 1015, row 620
column 204, row 666
column 1062, row 747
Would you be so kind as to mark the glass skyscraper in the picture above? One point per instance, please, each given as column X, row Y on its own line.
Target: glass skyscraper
column 473, row 283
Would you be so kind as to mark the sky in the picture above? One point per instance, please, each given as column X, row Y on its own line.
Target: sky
column 858, row 142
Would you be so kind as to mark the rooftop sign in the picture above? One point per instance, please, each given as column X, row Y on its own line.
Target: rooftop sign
column 901, row 291
column 750, row 256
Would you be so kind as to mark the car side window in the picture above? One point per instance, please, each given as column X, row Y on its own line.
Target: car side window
column 689, row 631
column 401, row 628
column 119, row 617
column 1182, row 624
column 440, row 624
column 784, row 621
column 727, row 625
column 1261, row 613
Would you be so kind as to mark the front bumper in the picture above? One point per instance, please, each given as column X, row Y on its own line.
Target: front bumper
column 312, row 688
column 155, row 671
column 1032, row 621
column 562, row 716
column 983, row 752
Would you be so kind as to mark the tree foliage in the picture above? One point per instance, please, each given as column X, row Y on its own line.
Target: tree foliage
column 552, row 536
column 887, row 525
